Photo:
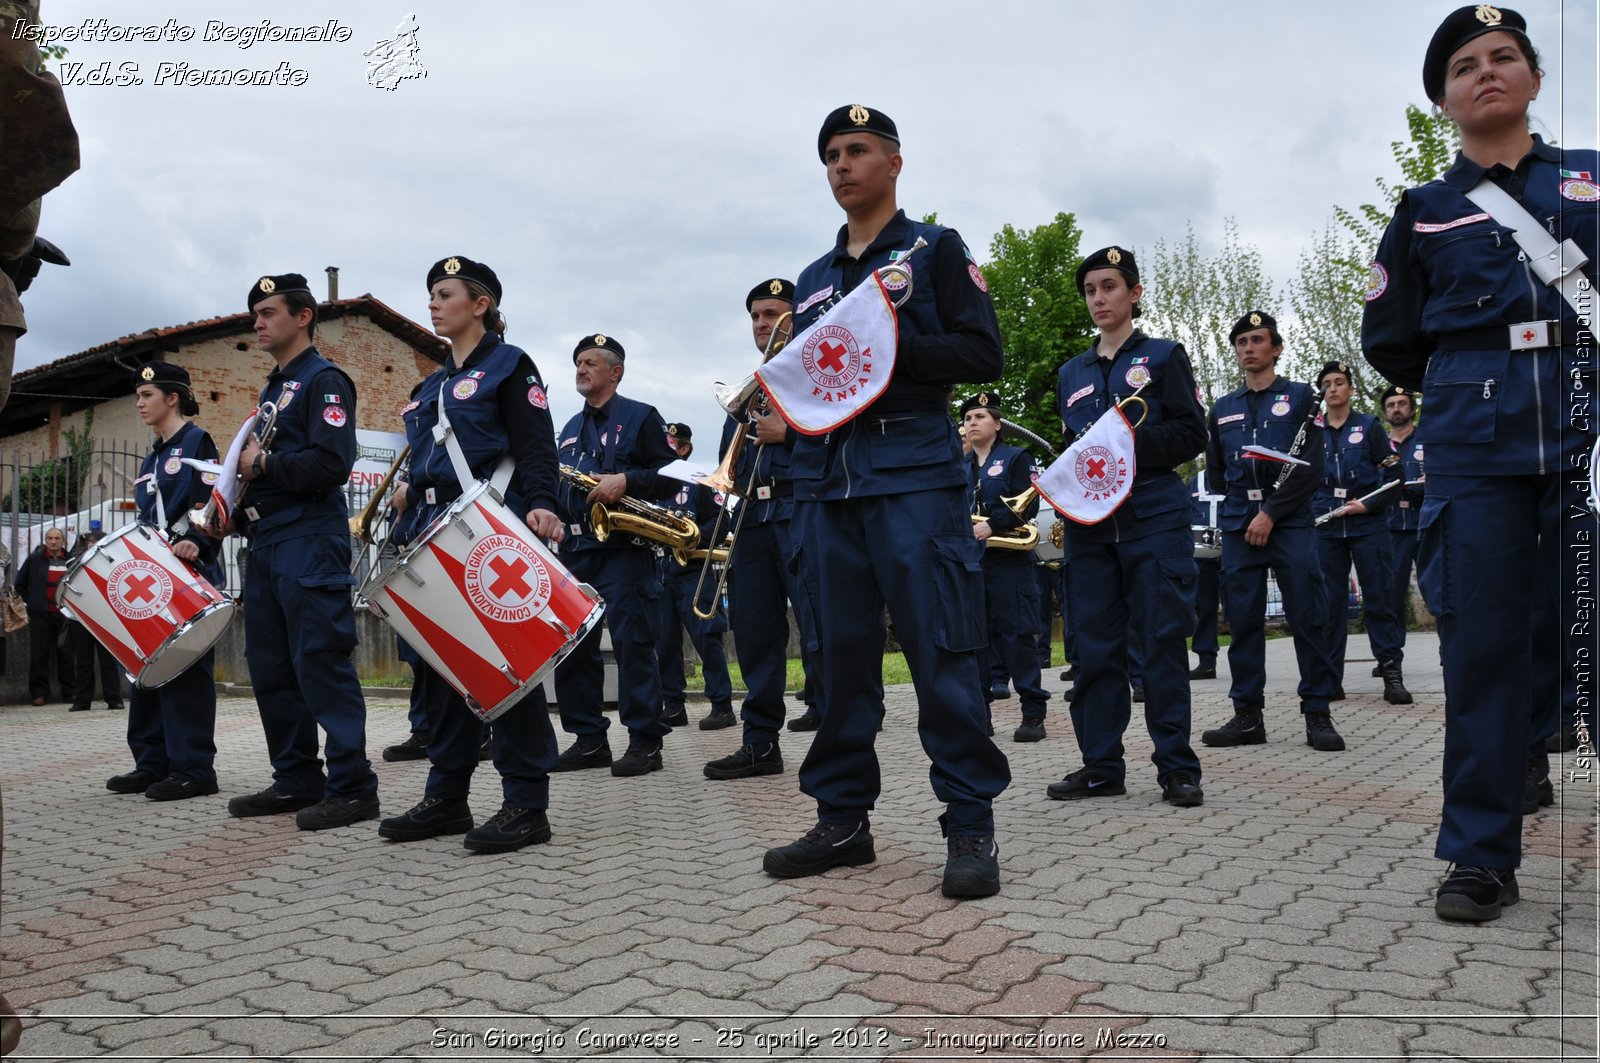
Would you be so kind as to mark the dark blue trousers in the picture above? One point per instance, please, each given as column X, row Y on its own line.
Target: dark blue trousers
column 1403, row 548
column 677, row 616
column 522, row 742
column 1375, row 571
column 172, row 729
column 1481, row 571
column 1147, row 583
column 761, row 586
column 416, row 712
column 914, row 552
column 626, row 578
column 300, row 631
column 1011, row 591
column 1206, row 594
column 1291, row 555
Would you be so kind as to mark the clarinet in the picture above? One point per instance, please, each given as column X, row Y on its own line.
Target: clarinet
column 1300, row 437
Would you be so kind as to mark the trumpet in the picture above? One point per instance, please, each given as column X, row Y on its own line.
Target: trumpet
column 1024, row 538
column 264, row 426
column 630, row 516
column 738, row 402
column 361, row 523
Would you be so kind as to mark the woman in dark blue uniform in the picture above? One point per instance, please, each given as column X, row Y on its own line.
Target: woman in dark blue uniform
column 1457, row 308
column 172, row 729
column 999, row 471
column 495, row 403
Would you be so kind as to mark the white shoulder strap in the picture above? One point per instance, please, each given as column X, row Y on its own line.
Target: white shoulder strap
column 458, row 459
column 1557, row 265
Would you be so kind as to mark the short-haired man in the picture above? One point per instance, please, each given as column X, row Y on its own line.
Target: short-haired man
column 300, row 626
column 1266, row 525
column 881, row 518
column 620, row 444
column 1400, row 412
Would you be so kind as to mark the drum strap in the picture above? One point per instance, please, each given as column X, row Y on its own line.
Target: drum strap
column 458, row 460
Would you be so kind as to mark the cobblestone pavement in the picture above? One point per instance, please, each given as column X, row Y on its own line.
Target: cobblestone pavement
column 1291, row 915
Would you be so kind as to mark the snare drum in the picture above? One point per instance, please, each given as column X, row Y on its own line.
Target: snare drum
column 149, row 609
column 484, row 602
column 1207, row 541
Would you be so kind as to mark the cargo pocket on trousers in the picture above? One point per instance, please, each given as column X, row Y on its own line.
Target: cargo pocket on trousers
column 325, row 613
column 1179, row 575
column 958, row 578
column 1433, row 567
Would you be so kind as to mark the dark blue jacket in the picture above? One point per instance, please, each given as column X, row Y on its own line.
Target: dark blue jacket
column 1270, row 418
column 622, row 436
column 1353, row 457
column 182, row 488
column 905, row 441
column 1403, row 514
column 772, row 498
column 1173, row 432
column 1450, row 279
column 310, row 458
column 1005, row 473
column 496, row 404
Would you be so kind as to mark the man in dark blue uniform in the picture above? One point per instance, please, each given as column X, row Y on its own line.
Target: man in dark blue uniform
column 881, row 517
column 761, row 585
column 1400, row 411
column 1266, row 524
column 998, row 471
column 620, row 444
column 1205, row 497
column 1133, row 573
column 677, row 608
column 300, row 627
column 1357, row 462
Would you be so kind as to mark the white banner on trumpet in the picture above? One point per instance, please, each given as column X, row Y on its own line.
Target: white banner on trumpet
column 837, row 367
column 1095, row 475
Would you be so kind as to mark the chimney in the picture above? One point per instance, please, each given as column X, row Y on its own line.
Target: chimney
column 333, row 284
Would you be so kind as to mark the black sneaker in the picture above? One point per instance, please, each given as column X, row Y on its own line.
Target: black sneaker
column 1247, row 728
column 1085, row 783
column 268, row 802
column 1320, row 733
column 1377, row 671
column 1138, row 693
column 429, row 818
column 413, row 748
column 585, row 753
column 973, row 867
column 825, row 845
column 116, row 706
column 1394, row 685
column 134, row 782
column 1565, row 740
column 638, row 760
column 1182, row 791
column 1536, row 790
column 746, row 762
column 998, row 693
column 77, row 708
column 1032, row 730
column 806, row 721
column 1070, row 675
column 509, row 829
column 338, row 812
column 721, row 716
column 1475, row 894
column 1204, row 671
column 678, row 717
column 176, row 789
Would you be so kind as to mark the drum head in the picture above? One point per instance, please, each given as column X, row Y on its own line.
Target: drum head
column 185, row 646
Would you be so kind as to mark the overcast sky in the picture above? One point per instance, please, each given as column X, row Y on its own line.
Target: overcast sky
column 635, row 167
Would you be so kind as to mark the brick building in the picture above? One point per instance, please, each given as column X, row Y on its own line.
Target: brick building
column 384, row 352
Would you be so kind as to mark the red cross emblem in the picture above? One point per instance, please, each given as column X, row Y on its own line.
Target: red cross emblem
column 139, row 588
column 1528, row 334
column 831, row 356
column 1097, row 468
column 508, row 577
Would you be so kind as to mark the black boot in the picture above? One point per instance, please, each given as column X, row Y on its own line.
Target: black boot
column 1394, row 685
column 1245, row 729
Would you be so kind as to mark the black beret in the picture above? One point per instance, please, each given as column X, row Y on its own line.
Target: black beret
column 681, row 432
column 1336, row 367
column 984, row 400
column 164, row 375
column 1395, row 390
column 1253, row 320
column 776, row 288
column 851, row 119
column 1113, row 257
column 458, row 268
column 602, row 341
column 1460, row 26
column 283, row 284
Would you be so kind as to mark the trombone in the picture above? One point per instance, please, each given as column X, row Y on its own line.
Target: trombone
column 739, row 402
column 361, row 525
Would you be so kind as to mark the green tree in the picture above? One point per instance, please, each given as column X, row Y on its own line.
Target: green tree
column 1195, row 299
column 57, row 483
column 1043, row 319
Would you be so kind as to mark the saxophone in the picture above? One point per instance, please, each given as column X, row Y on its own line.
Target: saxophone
column 630, row 516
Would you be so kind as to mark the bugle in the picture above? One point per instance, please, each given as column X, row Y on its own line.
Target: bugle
column 263, row 425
